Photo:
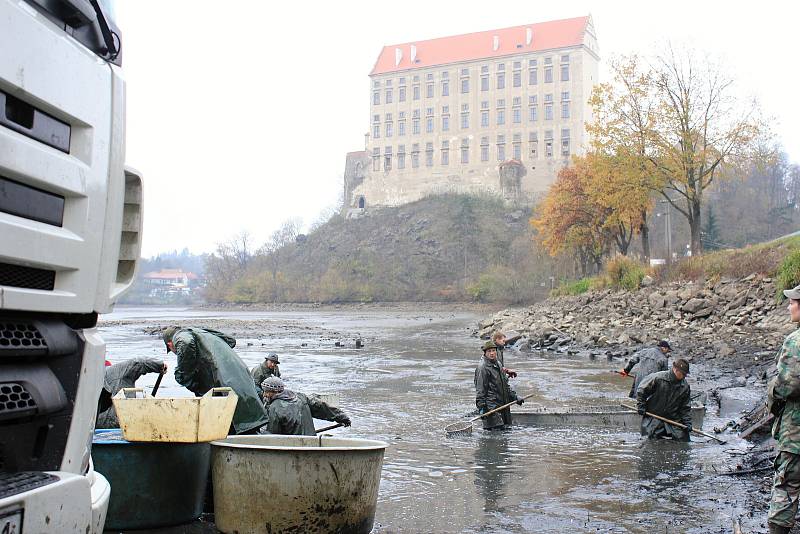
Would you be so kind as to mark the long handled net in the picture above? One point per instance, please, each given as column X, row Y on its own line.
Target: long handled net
column 464, row 428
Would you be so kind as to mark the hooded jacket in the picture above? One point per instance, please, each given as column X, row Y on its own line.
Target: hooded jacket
column 293, row 413
column 663, row 394
column 118, row 376
column 206, row 360
column 491, row 391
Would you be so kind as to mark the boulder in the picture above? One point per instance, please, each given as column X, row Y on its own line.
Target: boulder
column 694, row 305
column 656, row 300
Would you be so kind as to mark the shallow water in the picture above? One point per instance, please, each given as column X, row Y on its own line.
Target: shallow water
column 414, row 376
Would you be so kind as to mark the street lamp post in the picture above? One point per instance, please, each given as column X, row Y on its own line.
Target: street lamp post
column 668, row 230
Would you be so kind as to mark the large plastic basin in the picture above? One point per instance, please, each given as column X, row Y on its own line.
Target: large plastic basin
column 276, row 484
column 152, row 484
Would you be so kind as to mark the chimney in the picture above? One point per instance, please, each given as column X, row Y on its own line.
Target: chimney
column 528, row 36
column 495, row 42
column 398, row 55
column 413, row 53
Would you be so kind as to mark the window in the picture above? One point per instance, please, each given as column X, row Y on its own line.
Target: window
column 533, row 62
column 565, row 110
column 465, row 151
column 548, row 107
column 501, row 66
column 565, row 73
column 485, row 69
column 429, row 76
column 445, row 110
column 517, row 65
column 376, row 98
column 517, row 148
column 376, row 84
column 484, row 83
column 548, row 61
column 415, row 156
column 464, row 85
column 445, row 123
column 533, row 109
column 401, row 96
column 533, row 77
column 548, row 75
column 484, row 149
column 388, row 83
column 401, row 157
column 376, row 131
column 564, row 95
column 501, row 147
column 516, row 101
column 516, row 115
column 401, row 128
column 388, row 129
column 376, row 118
column 429, row 125
column 445, row 152
column 484, row 118
column 376, row 159
column 416, row 92
column 548, row 143
column 501, row 80
column 565, row 142
column 533, row 142
column 465, row 115
column 501, row 117
column 445, row 88
column 429, row 154
column 415, row 79
column 445, row 75
column 388, row 96
column 402, row 80
column 484, row 104
column 415, row 126
column 501, row 102
column 517, row 79
column 465, row 72
column 429, row 91
column 387, row 159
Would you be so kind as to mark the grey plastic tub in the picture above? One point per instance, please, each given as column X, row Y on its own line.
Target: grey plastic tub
column 276, row 484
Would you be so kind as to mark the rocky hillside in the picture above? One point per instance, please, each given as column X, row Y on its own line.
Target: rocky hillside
column 735, row 322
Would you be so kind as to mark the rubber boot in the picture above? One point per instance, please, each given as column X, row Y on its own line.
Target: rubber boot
column 778, row 529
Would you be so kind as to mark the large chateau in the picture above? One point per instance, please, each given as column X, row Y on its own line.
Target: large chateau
column 498, row 111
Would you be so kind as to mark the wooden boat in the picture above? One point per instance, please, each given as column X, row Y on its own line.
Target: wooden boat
column 610, row 416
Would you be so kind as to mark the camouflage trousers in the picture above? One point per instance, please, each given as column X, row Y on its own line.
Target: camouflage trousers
column 785, row 489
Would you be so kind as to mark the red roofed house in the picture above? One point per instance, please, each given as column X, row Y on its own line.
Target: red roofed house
column 171, row 281
column 446, row 113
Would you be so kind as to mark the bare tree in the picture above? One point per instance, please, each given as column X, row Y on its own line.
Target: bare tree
column 227, row 264
column 274, row 251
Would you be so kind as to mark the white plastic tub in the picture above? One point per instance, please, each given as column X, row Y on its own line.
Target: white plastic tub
column 276, row 484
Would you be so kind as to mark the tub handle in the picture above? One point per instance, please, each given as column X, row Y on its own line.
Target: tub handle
column 218, row 392
column 132, row 393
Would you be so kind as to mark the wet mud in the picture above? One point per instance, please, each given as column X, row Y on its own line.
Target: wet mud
column 414, row 376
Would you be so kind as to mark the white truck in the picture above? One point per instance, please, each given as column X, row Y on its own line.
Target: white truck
column 70, row 238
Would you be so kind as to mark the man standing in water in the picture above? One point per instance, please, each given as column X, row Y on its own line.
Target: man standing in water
column 666, row 393
column 264, row 370
column 783, row 399
column 646, row 362
column 492, row 389
column 206, row 360
column 293, row 413
column 499, row 339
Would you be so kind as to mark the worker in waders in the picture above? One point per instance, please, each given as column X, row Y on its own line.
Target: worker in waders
column 646, row 362
column 492, row 389
column 666, row 393
column 293, row 413
column 499, row 339
column 267, row 368
column 206, row 360
column 783, row 400
column 119, row 376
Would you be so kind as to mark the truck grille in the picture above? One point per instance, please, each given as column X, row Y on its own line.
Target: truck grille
column 26, row 277
column 14, row 398
column 14, row 483
column 16, row 335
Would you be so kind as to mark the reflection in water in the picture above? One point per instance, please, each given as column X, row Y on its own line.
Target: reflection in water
column 492, row 462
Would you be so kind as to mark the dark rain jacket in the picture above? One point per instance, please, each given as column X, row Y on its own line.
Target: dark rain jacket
column 293, row 413
column 663, row 394
column 261, row 372
column 644, row 363
column 206, row 360
column 118, row 376
column 492, row 390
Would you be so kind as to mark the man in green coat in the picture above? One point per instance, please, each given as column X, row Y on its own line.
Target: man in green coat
column 293, row 413
column 492, row 389
column 264, row 370
column 783, row 399
column 666, row 393
column 206, row 360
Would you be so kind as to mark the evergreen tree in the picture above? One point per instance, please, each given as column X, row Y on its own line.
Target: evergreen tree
column 710, row 234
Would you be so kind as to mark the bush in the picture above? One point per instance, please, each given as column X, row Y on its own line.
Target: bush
column 572, row 288
column 623, row 272
column 788, row 275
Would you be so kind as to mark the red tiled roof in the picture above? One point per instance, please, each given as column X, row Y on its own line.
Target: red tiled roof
column 167, row 274
column 479, row 45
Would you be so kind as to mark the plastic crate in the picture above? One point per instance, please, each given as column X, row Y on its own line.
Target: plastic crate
column 175, row 420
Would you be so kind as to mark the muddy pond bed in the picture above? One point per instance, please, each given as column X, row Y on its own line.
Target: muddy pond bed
column 414, row 375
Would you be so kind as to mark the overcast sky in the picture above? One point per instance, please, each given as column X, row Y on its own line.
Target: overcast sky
column 240, row 112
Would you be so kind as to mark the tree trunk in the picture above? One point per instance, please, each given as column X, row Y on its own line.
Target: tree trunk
column 694, row 227
column 644, row 231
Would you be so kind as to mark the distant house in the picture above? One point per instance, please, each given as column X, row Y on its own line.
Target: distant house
column 168, row 281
